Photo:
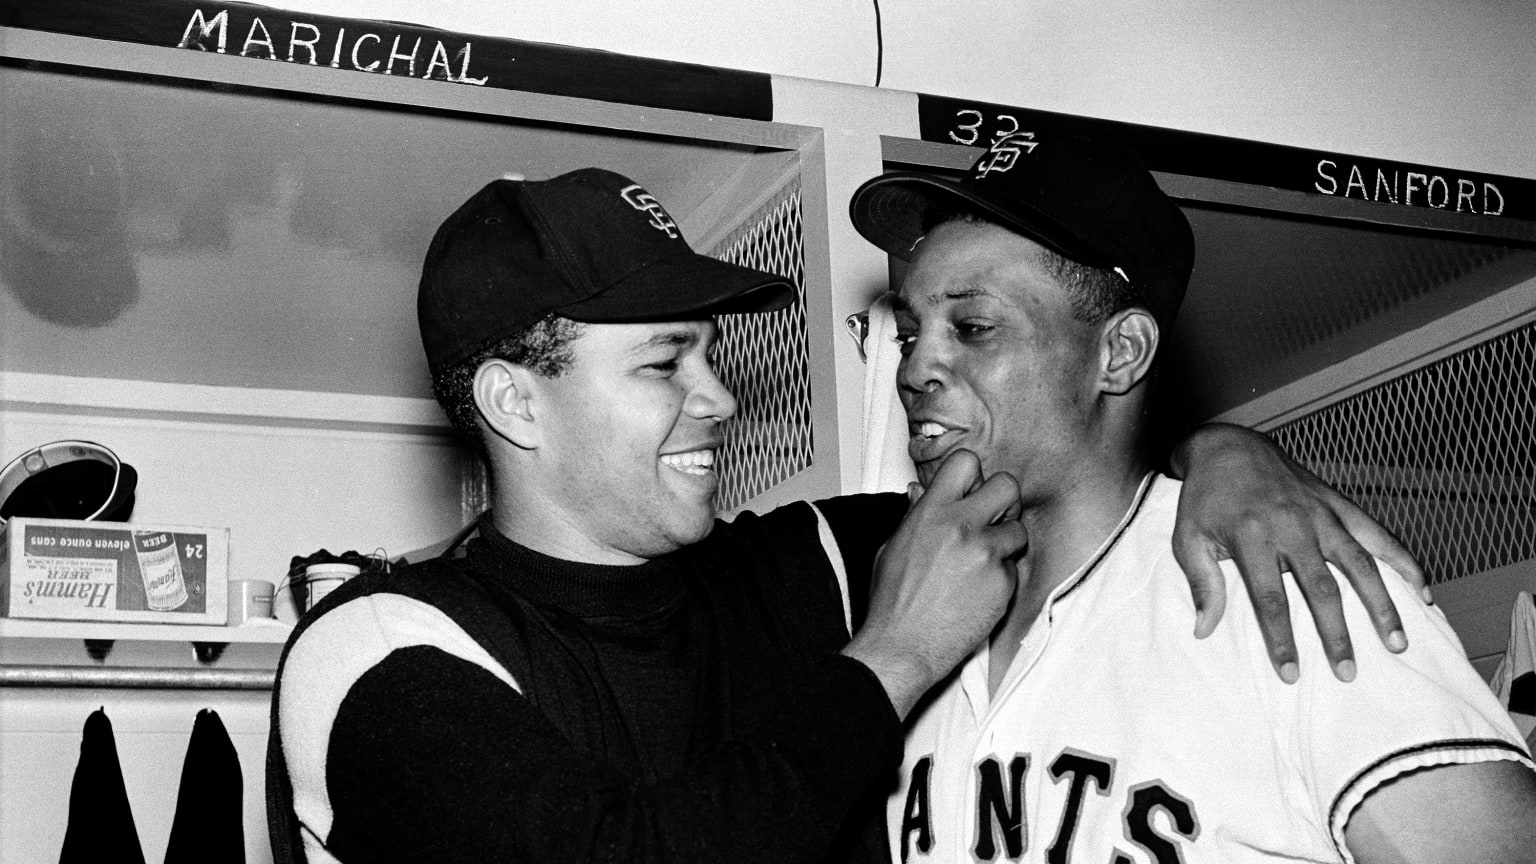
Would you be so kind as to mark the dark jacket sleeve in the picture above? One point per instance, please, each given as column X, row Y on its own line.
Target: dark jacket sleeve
column 434, row 759
column 862, row 524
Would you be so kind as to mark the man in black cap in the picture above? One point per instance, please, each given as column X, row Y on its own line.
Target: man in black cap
column 608, row 673
column 1041, row 287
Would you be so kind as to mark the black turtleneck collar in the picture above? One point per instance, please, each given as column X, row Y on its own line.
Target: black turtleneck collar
column 582, row 589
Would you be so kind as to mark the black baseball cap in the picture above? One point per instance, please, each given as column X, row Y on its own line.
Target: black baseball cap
column 1089, row 200
column 590, row 245
column 68, row 480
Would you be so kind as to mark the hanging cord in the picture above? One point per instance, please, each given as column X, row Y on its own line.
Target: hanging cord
column 879, row 45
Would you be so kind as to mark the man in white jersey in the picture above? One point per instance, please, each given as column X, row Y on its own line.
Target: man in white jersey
column 1090, row 728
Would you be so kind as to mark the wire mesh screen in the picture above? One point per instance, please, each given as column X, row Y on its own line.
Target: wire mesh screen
column 1444, row 456
column 764, row 360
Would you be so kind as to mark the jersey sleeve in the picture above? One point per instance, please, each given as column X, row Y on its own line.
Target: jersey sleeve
column 1423, row 708
column 431, row 755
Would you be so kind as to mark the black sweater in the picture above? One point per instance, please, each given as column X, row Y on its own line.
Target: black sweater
column 693, row 708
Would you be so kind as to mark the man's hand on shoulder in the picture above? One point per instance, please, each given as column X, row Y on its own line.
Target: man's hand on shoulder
column 1246, row 500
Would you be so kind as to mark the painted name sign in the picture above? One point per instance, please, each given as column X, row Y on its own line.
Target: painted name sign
column 952, row 121
column 236, row 29
column 362, row 49
column 1391, row 184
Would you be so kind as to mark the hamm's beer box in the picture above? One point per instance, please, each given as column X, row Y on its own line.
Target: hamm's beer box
column 70, row 570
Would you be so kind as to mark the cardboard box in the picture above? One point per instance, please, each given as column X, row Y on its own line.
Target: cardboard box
column 70, row 570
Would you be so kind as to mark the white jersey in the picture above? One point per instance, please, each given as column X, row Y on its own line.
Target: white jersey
column 1118, row 737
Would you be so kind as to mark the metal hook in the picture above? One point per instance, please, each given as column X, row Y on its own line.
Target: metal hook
column 858, row 328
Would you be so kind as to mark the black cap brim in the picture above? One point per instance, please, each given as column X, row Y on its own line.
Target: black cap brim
column 889, row 211
column 84, row 488
column 683, row 287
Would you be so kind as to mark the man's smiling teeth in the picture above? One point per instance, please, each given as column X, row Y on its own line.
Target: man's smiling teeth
column 692, row 462
column 929, row 429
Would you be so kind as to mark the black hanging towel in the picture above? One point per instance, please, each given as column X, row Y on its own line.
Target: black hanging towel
column 207, row 828
column 101, row 829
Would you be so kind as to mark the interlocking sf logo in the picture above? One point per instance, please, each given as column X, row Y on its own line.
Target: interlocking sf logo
column 646, row 203
column 1005, row 152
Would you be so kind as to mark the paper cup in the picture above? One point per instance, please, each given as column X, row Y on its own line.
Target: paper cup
column 249, row 598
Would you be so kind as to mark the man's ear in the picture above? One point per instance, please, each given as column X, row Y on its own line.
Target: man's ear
column 1129, row 342
column 507, row 397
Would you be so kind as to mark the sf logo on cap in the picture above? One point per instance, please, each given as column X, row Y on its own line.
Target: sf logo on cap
column 1004, row 153
column 646, row 203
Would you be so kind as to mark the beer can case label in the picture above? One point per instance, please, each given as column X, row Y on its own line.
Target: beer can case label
column 92, row 571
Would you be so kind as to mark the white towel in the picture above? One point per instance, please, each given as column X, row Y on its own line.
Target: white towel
column 1515, row 678
column 887, row 467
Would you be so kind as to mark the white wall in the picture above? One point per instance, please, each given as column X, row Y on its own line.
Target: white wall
column 1447, row 84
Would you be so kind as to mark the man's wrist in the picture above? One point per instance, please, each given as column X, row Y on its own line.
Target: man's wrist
column 903, row 677
column 1204, row 444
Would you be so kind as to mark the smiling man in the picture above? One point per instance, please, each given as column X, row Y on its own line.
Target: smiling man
column 1089, row 727
column 608, row 673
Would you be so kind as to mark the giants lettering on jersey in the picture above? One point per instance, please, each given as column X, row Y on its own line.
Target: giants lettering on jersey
column 1001, row 829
